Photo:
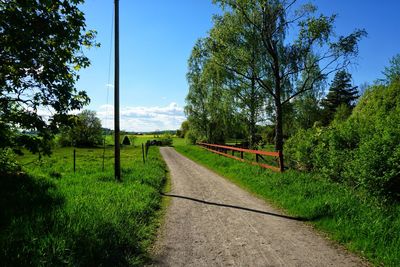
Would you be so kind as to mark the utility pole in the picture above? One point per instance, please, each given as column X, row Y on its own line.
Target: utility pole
column 116, row 95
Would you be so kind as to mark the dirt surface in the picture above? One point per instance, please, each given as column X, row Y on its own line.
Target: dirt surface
column 212, row 222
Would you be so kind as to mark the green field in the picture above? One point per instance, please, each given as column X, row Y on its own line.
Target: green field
column 352, row 218
column 52, row 216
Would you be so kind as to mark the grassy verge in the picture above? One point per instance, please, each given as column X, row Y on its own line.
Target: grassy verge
column 351, row 218
column 51, row 216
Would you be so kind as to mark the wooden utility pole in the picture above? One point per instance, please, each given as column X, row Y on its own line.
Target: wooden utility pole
column 116, row 95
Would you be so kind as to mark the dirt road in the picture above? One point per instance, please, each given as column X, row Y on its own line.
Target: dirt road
column 212, row 222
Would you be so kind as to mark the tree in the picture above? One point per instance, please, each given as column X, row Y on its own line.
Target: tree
column 392, row 72
column 184, row 128
column 231, row 31
column 341, row 93
column 86, row 131
column 287, row 66
column 126, row 141
column 208, row 104
column 41, row 52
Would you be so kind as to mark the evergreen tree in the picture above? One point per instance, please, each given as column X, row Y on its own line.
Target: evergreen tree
column 341, row 92
column 126, row 141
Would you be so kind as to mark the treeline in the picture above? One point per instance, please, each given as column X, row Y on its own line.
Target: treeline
column 266, row 62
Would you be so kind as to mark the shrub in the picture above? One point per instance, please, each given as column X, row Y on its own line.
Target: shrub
column 126, row 141
column 362, row 151
column 8, row 163
column 190, row 137
column 299, row 149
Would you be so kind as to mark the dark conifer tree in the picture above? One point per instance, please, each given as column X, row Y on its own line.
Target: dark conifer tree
column 341, row 92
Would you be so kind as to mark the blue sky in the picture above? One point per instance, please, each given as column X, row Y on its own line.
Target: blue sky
column 157, row 37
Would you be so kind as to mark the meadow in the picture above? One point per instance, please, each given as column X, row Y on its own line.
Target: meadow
column 51, row 216
column 353, row 218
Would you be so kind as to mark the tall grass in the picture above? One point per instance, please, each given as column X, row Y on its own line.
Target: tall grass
column 51, row 216
column 350, row 217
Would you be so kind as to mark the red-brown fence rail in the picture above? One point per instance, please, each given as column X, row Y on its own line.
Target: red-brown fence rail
column 259, row 155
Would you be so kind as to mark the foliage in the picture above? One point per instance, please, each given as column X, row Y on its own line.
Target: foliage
column 8, row 163
column 82, row 219
column 392, row 72
column 341, row 94
column 355, row 220
column 41, row 54
column 363, row 150
column 208, row 107
column 126, row 141
column 299, row 149
column 85, row 132
column 190, row 138
column 165, row 140
column 184, row 129
column 282, row 67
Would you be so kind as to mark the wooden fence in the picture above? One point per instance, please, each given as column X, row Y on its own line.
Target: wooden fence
column 259, row 155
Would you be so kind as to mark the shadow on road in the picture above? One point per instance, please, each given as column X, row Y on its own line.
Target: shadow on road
column 235, row 207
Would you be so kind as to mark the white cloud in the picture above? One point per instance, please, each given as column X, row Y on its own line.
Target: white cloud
column 143, row 119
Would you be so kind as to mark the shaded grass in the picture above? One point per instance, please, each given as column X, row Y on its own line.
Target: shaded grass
column 51, row 216
column 352, row 218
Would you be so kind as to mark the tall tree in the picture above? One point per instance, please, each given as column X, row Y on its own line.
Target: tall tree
column 231, row 36
column 286, row 61
column 41, row 51
column 341, row 93
column 208, row 105
column 197, row 99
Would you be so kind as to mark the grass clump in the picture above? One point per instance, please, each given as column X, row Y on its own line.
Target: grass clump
column 351, row 217
column 51, row 216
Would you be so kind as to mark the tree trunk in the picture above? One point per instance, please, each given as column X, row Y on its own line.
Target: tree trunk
column 279, row 129
column 278, row 126
column 252, row 121
column 251, row 131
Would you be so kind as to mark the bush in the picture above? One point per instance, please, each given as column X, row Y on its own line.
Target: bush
column 8, row 163
column 190, row 137
column 126, row 141
column 362, row 151
column 166, row 140
column 300, row 148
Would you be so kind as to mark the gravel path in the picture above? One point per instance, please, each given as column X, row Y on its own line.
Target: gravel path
column 212, row 222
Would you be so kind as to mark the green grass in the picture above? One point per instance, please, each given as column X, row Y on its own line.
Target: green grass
column 352, row 218
column 138, row 140
column 51, row 216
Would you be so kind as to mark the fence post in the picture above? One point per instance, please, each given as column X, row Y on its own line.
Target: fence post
column 241, row 154
column 144, row 161
column 281, row 166
column 74, row 160
column 256, row 157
